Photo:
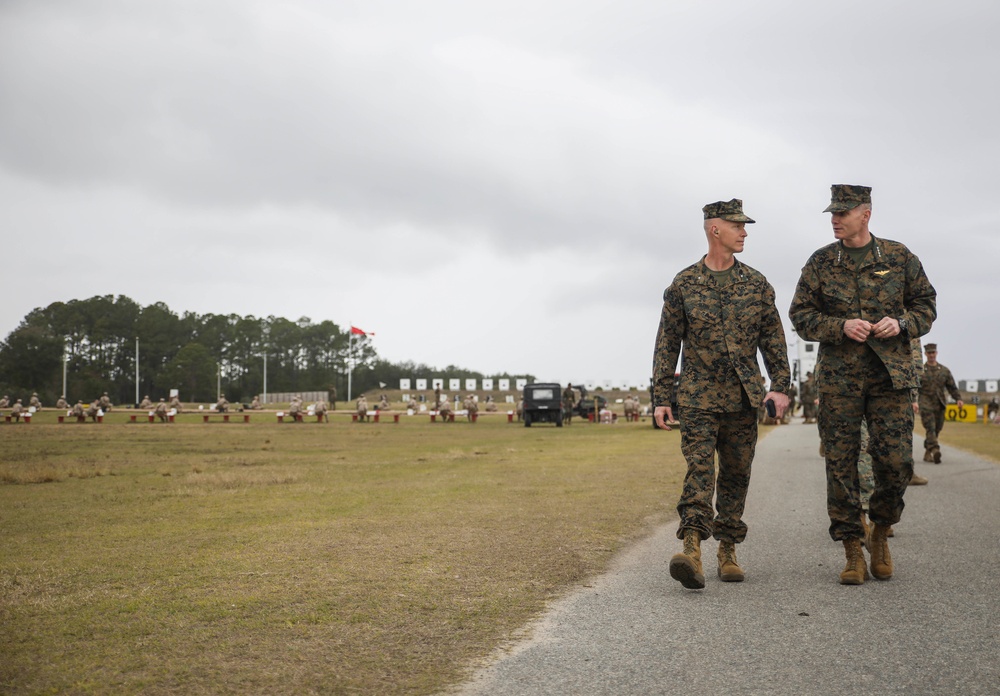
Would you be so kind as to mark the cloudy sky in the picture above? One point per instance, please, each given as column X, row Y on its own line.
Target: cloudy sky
column 504, row 186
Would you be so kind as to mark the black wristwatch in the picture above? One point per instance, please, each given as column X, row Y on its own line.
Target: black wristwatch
column 902, row 325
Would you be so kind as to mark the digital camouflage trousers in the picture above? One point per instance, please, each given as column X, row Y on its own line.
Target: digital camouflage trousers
column 933, row 421
column 889, row 419
column 866, row 479
column 734, row 437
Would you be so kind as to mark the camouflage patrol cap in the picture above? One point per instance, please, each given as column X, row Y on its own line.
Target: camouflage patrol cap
column 726, row 210
column 844, row 197
column 930, row 348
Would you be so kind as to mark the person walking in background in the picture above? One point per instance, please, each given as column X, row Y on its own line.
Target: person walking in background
column 568, row 402
column 809, row 399
column 862, row 299
column 722, row 313
column 936, row 381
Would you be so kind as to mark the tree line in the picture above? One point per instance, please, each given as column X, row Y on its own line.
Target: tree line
column 95, row 339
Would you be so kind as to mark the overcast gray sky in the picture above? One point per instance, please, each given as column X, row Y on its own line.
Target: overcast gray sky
column 497, row 185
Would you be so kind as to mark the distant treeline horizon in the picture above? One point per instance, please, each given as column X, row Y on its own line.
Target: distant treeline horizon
column 200, row 355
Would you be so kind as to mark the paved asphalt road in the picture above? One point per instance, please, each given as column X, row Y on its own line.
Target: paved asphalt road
column 790, row 628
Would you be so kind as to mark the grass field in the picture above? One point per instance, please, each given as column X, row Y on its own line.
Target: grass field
column 308, row 558
column 301, row 558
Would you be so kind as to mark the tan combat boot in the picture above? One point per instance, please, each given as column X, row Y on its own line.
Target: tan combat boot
column 928, row 457
column 729, row 569
column 878, row 547
column 685, row 567
column 917, row 481
column 855, row 572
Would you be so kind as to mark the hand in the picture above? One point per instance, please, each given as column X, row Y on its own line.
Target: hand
column 887, row 327
column 780, row 403
column 960, row 403
column 857, row 330
column 659, row 412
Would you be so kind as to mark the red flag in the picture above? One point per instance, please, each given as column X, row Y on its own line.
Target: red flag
column 356, row 330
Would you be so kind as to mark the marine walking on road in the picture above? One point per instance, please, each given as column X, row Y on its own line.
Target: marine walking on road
column 937, row 382
column 721, row 312
column 863, row 299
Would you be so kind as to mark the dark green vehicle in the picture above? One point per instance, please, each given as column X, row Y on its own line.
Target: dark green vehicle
column 585, row 406
column 542, row 403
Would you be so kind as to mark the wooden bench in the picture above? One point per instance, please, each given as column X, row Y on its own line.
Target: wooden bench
column 448, row 417
column 301, row 417
column 375, row 417
column 225, row 416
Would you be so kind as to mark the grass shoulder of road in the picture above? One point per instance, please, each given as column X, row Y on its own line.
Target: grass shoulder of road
column 982, row 439
column 296, row 558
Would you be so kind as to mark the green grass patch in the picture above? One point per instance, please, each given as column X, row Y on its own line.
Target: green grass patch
column 302, row 558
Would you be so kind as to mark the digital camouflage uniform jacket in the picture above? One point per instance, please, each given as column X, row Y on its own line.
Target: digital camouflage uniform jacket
column 721, row 329
column 890, row 282
column 937, row 379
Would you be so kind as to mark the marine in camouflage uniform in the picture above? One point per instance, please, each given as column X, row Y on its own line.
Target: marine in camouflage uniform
column 809, row 399
column 936, row 381
column 863, row 298
column 722, row 312
column 568, row 402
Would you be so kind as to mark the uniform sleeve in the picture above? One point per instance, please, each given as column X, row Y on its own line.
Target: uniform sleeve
column 806, row 311
column 920, row 301
column 949, row 384
column 673, row 326
column 772, row 344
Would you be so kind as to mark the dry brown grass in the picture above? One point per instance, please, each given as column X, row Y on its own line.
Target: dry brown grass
column 305, row 558
column 978, row 438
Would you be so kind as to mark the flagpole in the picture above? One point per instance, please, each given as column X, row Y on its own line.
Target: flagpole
column 350, row 368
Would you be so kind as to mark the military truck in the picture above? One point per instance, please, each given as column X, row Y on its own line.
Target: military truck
column 585, row 406
column 542, row 403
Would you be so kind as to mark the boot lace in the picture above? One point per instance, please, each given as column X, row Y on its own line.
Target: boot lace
column 690, row 544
